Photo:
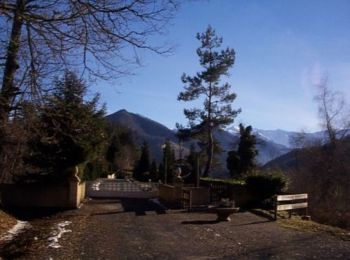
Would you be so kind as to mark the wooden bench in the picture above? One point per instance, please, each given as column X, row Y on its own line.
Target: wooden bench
column 291, row 202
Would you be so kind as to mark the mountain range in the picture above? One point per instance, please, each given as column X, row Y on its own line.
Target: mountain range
column 271, row 144
column 155, row 134
column 286, row 138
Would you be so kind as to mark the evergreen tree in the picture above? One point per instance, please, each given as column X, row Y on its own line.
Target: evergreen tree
column 113, row 152
column 121, row 151
column 153, row 171
column 247, row 149
column 242, row 161
column 216, row 111
column 142, row 167
column 233, row 164
column 70, row 131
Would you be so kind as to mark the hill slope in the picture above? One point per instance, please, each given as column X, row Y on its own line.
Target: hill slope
column 145, row 129
column 156, row 134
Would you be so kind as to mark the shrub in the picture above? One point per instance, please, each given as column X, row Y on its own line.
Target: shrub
column 262, row 186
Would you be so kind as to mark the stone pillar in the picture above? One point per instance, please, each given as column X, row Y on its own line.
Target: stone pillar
column 73, row 187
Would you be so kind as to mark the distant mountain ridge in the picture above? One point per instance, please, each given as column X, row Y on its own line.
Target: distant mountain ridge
column 283, row 137
column 156, row 134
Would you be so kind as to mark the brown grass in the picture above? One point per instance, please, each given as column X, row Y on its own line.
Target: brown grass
column 6, row 222
column 297, row 223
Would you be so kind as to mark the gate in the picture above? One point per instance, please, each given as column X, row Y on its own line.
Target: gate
column 115, row 188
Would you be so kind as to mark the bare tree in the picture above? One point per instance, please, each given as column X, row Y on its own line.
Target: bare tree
column 43, row 37
column 40, row 39
column 322, row 167
column 333, row 112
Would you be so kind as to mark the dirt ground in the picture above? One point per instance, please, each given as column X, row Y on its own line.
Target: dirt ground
column 143, row 229
column 6, row 222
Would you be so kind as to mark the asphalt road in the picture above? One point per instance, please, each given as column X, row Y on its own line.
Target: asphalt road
column 142, row 229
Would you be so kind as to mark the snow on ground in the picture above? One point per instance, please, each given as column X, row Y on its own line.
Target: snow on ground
column 57, row 233
column 15, row 230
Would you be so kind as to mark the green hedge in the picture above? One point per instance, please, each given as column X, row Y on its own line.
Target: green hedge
column 264, row 185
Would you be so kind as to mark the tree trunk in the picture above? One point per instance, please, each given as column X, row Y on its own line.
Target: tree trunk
column 210, row 152
column 8, row 90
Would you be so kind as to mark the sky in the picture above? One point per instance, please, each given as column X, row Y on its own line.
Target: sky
column 283, row 49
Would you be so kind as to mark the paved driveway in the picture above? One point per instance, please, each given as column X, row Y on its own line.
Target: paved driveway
column 143, row 229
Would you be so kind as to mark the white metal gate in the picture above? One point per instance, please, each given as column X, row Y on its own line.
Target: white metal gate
column 115, row 188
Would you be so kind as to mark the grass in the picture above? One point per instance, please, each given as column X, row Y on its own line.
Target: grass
column 297, row 223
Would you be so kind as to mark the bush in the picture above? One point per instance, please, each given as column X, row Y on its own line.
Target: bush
column 262, row 186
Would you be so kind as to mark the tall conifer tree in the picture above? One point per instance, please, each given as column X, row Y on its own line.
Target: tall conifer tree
column 242, row 161
column 206, row 85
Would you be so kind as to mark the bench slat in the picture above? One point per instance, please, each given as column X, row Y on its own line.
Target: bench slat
column 292, row 206
column 292, row 197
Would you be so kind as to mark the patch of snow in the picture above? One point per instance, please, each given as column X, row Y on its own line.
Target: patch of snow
column 15, row 230
column 233, row 130
column 96, row 185
column 262, row 136
column 57, row 234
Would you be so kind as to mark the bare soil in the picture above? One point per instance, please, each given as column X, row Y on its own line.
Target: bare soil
column 142, row 229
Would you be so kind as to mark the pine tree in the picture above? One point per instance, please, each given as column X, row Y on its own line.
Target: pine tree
column 70, row 131
column 216, row 111
column 247, row 149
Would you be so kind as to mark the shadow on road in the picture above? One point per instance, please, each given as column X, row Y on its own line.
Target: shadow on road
column 141, row 206
column 200, row 222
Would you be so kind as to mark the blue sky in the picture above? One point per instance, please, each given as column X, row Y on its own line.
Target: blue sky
column 282, row 48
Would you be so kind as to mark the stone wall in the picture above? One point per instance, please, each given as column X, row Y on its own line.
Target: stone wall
column 54, row 195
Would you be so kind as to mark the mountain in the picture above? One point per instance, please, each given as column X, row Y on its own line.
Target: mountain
column 290, row 160
column 284, row 162
column 156, row 134
column 267, row 148
column 278, row 136
column 286, row 138
column 145, row 129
